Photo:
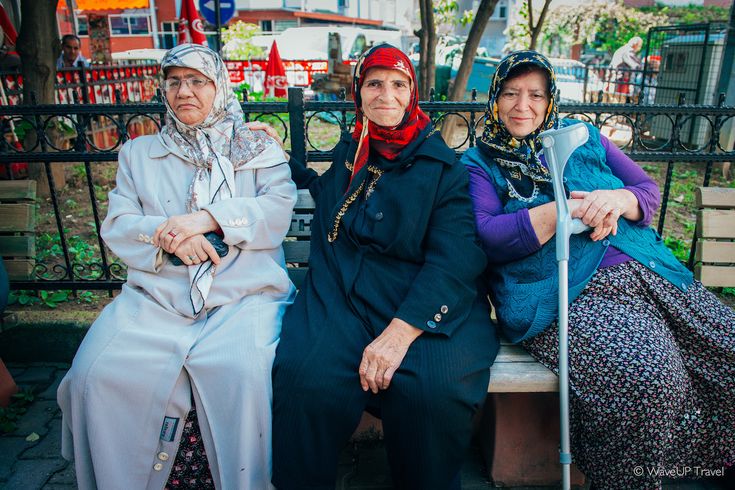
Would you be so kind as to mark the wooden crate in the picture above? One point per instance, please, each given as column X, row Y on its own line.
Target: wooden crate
column 715, row 250
column 18, row 227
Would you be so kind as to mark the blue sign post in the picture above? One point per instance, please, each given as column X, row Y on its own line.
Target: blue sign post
column 226, row 10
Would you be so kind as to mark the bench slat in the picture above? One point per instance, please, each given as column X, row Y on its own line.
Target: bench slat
column 513, row 353
column 715, row 276
column 17, row 246
column 17, row 190
column 716, row 223
column 304, row 200
column 297, row 251
column 19, row 269
column 714, row 197
column 300, row 225
column 521, row 377
column 715, row 252
column 17, row 217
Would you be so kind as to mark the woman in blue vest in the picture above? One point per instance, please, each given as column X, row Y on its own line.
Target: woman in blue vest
column 389, row 315
column 652, row 353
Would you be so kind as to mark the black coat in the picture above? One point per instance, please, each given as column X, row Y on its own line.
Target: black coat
column 408, row 251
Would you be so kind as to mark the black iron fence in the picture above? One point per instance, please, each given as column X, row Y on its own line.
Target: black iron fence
column 85, row 139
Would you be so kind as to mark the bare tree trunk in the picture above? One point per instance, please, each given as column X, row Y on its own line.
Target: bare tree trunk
column 536, row 30
column 427, row 61
column 484, row 11
column 38, row 46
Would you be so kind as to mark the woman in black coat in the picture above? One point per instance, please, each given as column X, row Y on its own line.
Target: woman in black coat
column 389, row 315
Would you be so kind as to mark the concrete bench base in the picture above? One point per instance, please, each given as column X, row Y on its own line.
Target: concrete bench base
column 519, row 436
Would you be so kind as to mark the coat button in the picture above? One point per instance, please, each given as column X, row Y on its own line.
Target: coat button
column 431, row 324
column 437, row 317
column 652, row 264
column 158, row 466
column 606, row 242
column 163, row 456
column 379, row 215
column 444, row 309
column 684, row 286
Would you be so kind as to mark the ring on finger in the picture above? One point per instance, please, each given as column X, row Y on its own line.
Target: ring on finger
column 172, row 234
column 190, row 258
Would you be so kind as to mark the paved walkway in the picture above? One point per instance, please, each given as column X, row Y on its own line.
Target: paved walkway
column 30, row 457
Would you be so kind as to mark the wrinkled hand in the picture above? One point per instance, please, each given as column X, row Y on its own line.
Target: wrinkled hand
column 600, row 210
column 195, row 250
column 382, row 358
column 269, row 130
column 171, row 233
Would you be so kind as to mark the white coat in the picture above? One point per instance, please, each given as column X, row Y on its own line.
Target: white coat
column 127, row 394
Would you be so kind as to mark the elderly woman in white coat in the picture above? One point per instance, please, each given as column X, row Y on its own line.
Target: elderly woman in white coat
column 194, row 341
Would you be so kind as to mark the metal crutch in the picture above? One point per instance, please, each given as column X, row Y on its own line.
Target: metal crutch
column 558, row 145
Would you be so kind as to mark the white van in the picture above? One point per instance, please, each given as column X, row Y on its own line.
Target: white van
column 311, row 43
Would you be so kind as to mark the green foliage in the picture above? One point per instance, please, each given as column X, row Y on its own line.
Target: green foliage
column 689, row 14
column 237, row 43
column 600, row 24
column 50, row 299
column 728, row 292
column 519, row 33
column 446, row 12
column 679, row 247
column 10, row 415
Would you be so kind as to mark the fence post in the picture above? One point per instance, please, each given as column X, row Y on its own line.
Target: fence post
column 297, row 123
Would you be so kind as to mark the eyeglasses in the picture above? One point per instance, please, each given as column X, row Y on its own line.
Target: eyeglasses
column 193, row 83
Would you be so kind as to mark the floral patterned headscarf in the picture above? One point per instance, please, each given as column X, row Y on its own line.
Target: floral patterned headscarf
column 519, row 156
column 221, row 144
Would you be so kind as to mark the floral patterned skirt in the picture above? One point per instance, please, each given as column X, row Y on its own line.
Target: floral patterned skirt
column 191, row 468
column 652, row 379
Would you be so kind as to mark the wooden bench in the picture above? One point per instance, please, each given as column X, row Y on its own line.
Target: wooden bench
column 714, row 254
column 519, row 428
column 18, row 227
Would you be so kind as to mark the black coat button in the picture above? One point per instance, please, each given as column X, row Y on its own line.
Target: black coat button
column 379, row 215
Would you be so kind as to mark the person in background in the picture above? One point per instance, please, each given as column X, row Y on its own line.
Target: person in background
column 624, row 62
column 651, row 351
column 71, row 54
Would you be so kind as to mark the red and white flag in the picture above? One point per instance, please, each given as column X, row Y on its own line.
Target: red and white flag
column 191, row 29
column 275, row 83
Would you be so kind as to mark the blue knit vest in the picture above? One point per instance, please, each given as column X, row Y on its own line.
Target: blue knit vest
column 524, row 292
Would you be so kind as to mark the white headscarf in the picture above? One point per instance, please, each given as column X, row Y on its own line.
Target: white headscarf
column 217, row 147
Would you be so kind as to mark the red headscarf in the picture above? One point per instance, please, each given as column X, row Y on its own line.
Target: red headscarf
column 387, row 142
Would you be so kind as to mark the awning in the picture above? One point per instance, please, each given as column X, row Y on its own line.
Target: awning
column 105, row 4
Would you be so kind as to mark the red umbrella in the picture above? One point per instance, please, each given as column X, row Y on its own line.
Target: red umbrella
column 275, row 74
column 190, row 25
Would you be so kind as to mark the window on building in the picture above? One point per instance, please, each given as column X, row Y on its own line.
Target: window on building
column 82, row 26
column 501, row 10
column 282, row 25
column 343, row 4
column 169, row 34
column 129, row 24
column 266, row 25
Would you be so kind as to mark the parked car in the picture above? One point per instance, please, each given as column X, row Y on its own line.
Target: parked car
column 570, row 78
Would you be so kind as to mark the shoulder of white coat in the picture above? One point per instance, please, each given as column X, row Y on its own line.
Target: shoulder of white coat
column 147, row 145
column 271, row 156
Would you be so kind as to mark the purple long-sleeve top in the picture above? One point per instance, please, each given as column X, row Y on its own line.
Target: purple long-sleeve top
column 510, row 236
